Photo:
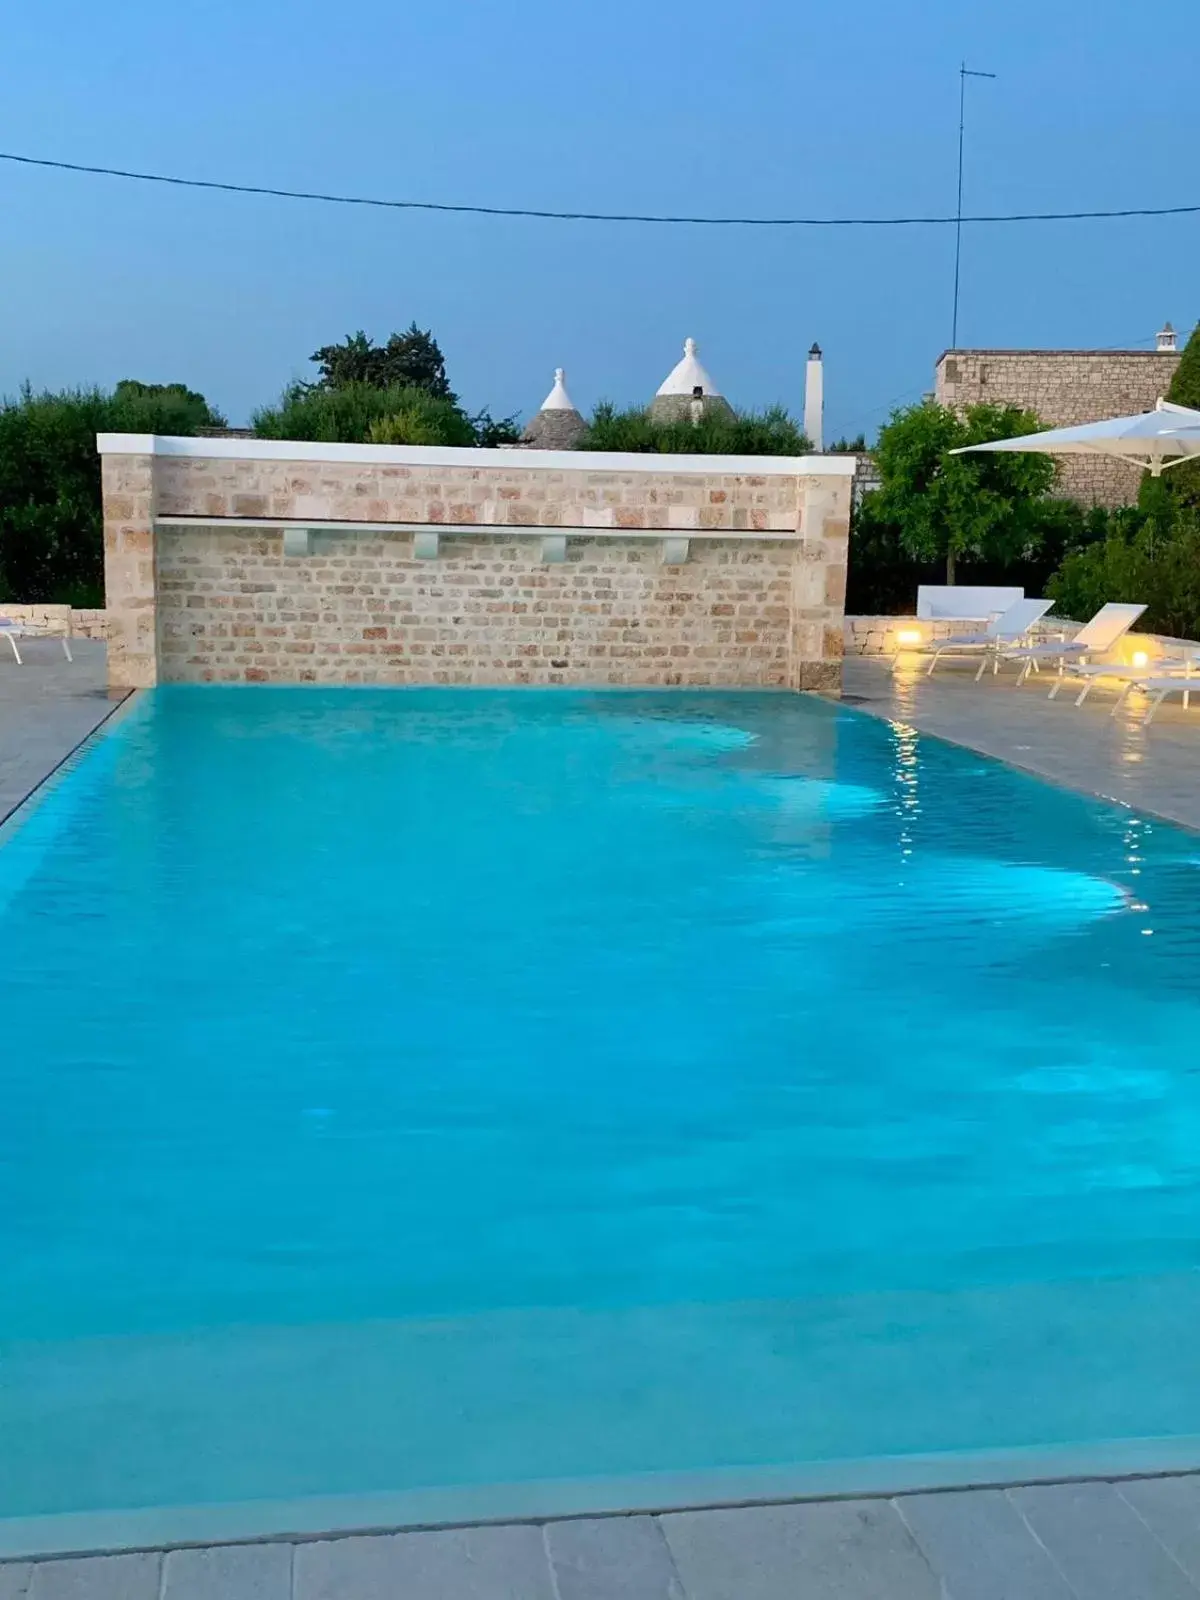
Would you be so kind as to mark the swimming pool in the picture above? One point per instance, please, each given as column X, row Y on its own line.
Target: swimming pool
column 425, row 1104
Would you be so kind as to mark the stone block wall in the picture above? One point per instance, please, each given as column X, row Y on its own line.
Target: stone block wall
column 58, row 621
column 234, row 607
column 1064, row 387
column 127, row 482
column 879, row 636
column 505, row 493
column 261, row 561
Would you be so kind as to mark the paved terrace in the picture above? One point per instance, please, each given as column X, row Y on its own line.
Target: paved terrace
column 1138, row 1540
column 1130, row 1540
column 47, row 707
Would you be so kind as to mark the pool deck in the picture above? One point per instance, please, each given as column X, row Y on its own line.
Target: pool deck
column 1154, row 769
column 47, row 707
column 1134, row 1539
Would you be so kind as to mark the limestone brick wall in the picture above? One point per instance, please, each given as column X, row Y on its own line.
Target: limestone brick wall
column 58, row 621
column 1064, row 387
column 880, row 636
column 261, row 561
column 127, row 482
column 570, row 494
column 363, row 609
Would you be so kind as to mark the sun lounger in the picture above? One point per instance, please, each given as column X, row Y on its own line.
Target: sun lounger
column 12, row 631
column 1089, row 673
column 1157, row 687
column 1009, row 628
column 1095, row 638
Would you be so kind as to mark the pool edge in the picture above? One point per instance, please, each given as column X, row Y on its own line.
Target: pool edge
column 14, row 819
column 312, row 1518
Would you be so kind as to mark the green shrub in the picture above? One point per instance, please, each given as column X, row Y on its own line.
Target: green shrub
column 1179, row 485
column 51, row 524
column 746, row 433
column 170, row 407
column 1142, row 558
column 348, row 414
column 406, row 426
column 883, row 577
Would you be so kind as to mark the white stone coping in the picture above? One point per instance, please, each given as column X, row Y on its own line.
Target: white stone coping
column 505, row 530
column 423, row 455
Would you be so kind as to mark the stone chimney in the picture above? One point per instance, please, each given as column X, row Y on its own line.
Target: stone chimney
column 814, row 399
column 1165, row 341
column 687, row 392
column 558, row 425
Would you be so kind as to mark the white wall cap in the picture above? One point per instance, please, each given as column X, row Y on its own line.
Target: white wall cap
column 437, row 455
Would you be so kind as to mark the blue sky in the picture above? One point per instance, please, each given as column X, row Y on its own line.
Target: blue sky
column 768, row 106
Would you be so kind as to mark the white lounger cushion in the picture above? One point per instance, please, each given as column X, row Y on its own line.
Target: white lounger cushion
column 949, row 602
column 1010, row 625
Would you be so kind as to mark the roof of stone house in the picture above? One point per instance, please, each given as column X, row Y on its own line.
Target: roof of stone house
column 688, row 375
column 1048, row 350
column 558, row 424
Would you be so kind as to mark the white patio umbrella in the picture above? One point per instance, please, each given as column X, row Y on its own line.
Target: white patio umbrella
column 1153, row 440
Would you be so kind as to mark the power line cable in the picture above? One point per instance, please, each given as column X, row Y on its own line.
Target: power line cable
column 597, row 216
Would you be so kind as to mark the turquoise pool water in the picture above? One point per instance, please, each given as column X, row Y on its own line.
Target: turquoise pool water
column 441, row 1090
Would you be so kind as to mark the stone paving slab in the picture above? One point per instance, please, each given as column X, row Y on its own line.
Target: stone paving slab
column 822, row 1550
column 494, row 1563
column 596, row 1557
column 15, row 1577
column 1170, row 1508
column 1135, row 1540
column 128, row 1577
column 982, row 1547
column 247, row 1571
column 1101, row 1546
column 47, row 707
column 1154, row 769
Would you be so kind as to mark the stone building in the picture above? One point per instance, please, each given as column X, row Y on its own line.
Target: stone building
column 687, row 392
column 1066, row 387
column 558, row 425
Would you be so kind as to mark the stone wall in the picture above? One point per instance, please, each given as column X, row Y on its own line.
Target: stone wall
column 1064, row 387
column 562, row 490
column 880, row 636
column 261, row 561
column 58, row 621
column 363, row 609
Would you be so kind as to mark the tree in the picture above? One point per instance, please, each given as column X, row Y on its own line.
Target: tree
column 1184, row 389
column 948, row 506
column 170, row 399
column 492, row 431
column 1180, row 485
column 409, row 360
